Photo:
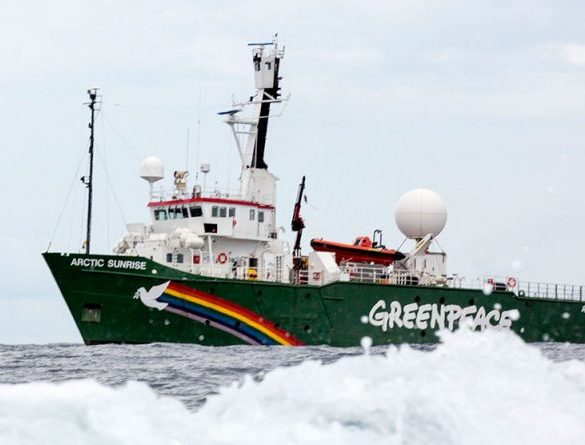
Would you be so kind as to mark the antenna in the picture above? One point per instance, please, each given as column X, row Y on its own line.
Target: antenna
column 187, row 155
column 93, row 105
column 198, row 142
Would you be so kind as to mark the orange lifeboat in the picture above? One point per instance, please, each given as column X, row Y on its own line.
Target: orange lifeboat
column 361, row 251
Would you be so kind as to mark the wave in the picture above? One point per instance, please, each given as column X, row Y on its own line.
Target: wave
column 472, row 389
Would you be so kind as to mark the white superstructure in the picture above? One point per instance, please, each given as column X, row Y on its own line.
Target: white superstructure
column 233, row 234
column 220, row 233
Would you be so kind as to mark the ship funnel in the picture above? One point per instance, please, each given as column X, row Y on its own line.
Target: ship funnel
column 420, row 212
column 152, row 169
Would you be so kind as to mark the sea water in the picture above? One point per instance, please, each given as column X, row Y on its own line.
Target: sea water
column 471, row 389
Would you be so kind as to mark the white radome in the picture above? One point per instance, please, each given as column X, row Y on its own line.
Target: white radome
column 205, row 167
column 152, row 169
column 420, row 212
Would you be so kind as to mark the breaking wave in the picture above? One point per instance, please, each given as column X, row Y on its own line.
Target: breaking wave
column 472, row 389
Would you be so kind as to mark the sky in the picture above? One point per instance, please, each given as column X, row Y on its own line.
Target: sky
column 481, row 101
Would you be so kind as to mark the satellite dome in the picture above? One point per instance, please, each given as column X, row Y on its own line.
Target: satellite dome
column 420, row 212
column 152, row 169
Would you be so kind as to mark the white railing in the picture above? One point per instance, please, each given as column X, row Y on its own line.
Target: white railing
column 192, row 192
column 361, row 273
column 551, row 291
column 355, row 272
column 242, row 273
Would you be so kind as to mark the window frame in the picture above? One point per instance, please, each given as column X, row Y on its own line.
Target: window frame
column 193, row 209
column 158, row 212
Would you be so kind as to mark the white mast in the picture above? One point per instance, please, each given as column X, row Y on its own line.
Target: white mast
column 256, row 182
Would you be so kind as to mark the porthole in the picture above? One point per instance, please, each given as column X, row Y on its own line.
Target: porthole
column 91, row 313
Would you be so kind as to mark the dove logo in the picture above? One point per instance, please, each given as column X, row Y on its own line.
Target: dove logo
column 150, row 298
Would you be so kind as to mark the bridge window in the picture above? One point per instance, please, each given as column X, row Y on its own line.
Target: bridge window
column 169, row 257
column 160, row 214
column 185, row 212
column 252, row 214
column 180, row 258
column 260, row 217
column 175, row 213
column 232, row 212
column 196, row 211
column 215, row 211
column 223, row 212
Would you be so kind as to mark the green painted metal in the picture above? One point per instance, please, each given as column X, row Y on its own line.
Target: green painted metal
column 101, row 301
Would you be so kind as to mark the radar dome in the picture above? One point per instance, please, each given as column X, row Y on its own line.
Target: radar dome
column 152, row 169
column 420, row 212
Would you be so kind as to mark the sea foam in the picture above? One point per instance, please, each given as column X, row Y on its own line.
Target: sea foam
column 472, row 389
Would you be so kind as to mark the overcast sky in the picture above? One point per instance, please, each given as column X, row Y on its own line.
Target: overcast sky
column 481, row 101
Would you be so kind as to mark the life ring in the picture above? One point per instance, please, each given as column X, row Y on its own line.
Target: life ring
column 221, row 258
column 511, row 282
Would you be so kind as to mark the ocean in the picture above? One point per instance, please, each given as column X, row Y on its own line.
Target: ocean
column 471, row 389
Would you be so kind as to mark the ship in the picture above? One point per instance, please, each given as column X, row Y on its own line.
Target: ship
column 212, row 267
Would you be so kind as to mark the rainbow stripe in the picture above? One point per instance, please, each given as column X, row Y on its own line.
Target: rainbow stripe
column 224, row 315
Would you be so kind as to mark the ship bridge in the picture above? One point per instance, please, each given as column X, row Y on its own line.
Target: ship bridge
column 219, row 216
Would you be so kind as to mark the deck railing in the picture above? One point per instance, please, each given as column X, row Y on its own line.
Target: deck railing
column 191, row 192
column 372, row 274
column 525, row 289
column 551, row 291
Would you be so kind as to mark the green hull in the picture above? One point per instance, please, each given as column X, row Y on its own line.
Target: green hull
column 102, row 293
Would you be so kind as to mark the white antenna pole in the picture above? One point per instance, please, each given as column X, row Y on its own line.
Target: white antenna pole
column 187, row 154
column 198, row 136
